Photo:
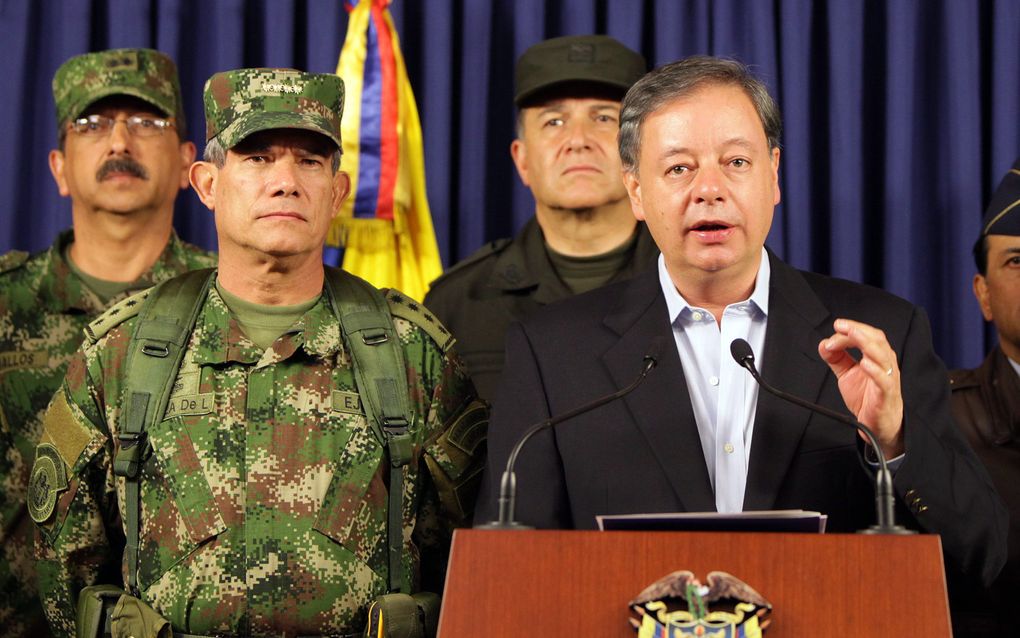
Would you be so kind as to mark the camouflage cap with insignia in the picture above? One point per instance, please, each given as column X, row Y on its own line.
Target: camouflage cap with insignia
column 1002, row 217
column 245, row 101
column 142, row 73
column 589, row 59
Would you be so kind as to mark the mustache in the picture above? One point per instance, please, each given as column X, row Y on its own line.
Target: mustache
column 121, row 165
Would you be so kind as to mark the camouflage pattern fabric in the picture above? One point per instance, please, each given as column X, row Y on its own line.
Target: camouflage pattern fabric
column 264, row 498
column 245, row 101
column 43, row 309
column 142, row 73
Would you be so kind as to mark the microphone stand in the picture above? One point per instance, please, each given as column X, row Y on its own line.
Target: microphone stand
column 508, row 482
column 884, row 501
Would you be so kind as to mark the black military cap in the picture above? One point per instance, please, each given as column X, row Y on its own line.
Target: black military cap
column 589, row 59
column 1002, row 217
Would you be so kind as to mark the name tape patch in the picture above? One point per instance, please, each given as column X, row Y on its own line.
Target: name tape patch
column 23, row 359
column 190, row 405
column 347, row 402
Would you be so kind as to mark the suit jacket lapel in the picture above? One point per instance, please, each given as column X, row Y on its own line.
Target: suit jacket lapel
column 661, row 406
column 797, row 321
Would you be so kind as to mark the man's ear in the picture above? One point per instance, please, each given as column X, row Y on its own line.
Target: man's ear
column 341, row 188
column 775, row 177
column 203, row 176
column 187, row 151
column 519, row 153
column 57, row 169
column 981, row 292
column 633, row 186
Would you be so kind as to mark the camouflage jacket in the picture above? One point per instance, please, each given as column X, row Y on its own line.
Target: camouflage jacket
column 43, row 308
column 264, row 498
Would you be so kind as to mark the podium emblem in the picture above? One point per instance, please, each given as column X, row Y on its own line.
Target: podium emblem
column 679, row 605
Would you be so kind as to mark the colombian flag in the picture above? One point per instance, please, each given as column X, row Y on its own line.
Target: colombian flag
column 384, row 226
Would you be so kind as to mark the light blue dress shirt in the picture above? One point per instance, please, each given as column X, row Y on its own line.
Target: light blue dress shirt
column 724, row 396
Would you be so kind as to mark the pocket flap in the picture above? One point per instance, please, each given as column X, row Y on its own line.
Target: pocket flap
column 354, row 510
column 183, row 473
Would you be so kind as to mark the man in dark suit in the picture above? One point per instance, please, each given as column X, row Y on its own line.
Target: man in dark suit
column 699, row 141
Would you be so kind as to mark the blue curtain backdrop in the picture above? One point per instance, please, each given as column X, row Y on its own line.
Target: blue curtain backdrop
column 900, row 116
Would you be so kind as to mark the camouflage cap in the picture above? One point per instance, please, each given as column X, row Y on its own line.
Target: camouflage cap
column 593, row 59
column 245, row 101
column 142, row 73
column 1002, row 217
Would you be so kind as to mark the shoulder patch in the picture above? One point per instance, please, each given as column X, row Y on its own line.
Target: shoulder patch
column 963, row 378
column 492, row 248
column 48, row 480
column 406, row 308
column 115, row 315
column 11, row 260
column 63, row 432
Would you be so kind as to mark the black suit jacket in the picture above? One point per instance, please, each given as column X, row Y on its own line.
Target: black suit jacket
column 643, row 454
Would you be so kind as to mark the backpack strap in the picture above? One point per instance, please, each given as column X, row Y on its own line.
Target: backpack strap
column 164, row 324
column 380, row 373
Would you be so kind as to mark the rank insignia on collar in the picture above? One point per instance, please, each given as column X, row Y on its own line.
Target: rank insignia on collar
column 48, row 480
column 678, row 605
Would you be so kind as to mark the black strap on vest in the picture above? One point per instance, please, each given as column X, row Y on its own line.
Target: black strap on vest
column 379, row 371
column 163, row 328
column 154, row 356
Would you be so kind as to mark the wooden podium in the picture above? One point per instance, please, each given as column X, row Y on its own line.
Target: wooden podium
column 567, row 583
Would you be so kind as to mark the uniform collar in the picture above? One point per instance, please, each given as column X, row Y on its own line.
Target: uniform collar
column 525, row 264
column 1000, row 388
column 221, row 340
column 67, row 291
column 61, row 288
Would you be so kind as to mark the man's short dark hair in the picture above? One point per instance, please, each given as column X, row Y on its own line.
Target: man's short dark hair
column 680, row 79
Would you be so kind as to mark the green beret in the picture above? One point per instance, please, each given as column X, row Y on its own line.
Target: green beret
column 245, row 101
column 142, row 73
column 1002, row 217
column 592, row 59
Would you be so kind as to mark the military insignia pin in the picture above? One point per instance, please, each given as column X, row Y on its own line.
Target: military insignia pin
column 679, row 605
column 49, row 478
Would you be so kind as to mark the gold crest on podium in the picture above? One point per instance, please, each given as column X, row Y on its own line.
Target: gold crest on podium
column 679, row 605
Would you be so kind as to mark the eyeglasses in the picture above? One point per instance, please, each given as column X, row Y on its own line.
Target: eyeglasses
column 100, row 126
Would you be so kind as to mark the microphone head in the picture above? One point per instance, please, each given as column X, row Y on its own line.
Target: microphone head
column 654, row 353
column 742, row 353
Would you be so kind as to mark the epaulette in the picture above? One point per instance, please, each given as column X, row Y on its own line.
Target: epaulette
column 406, row 308
column 11, row 260
column 963, row 378
column 489, row 249
column 115, row 315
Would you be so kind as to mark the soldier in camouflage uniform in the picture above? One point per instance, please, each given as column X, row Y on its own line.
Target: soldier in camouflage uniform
column 124, row 222
column 264, row 493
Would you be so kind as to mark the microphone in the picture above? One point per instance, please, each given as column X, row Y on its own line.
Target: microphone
column 508, row 482
column 884, row 503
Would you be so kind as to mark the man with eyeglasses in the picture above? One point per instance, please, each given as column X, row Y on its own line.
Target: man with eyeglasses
column 122, row 157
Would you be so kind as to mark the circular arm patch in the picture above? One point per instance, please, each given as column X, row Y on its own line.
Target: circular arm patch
column 49, row 478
